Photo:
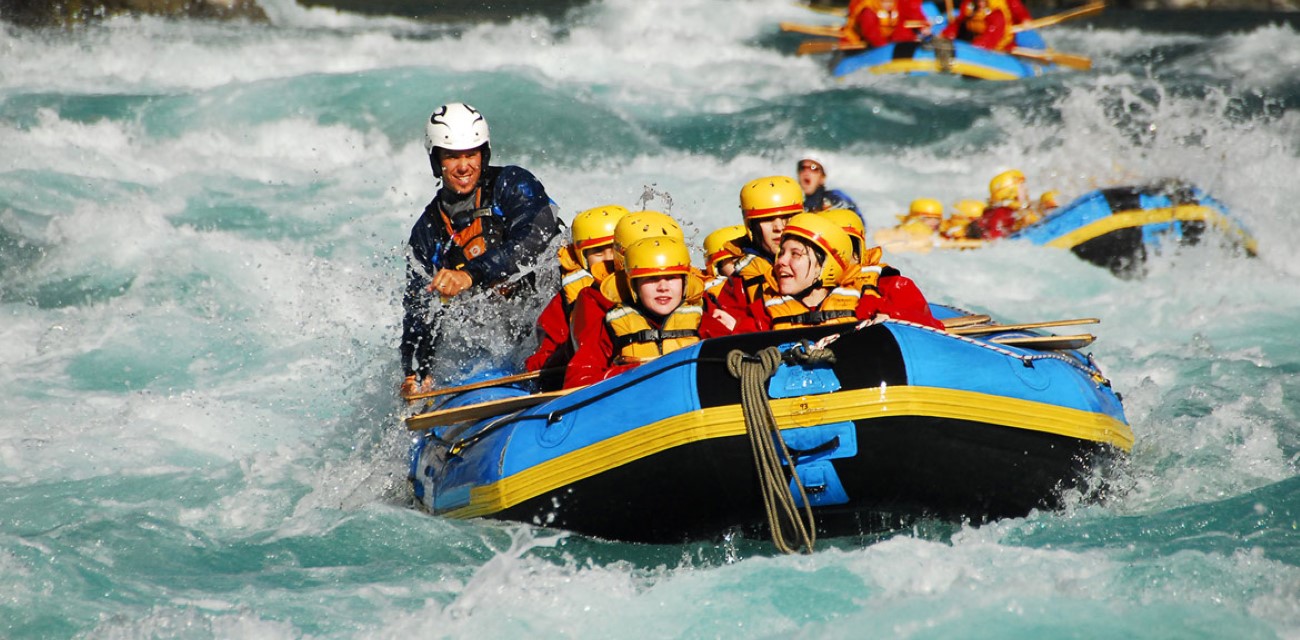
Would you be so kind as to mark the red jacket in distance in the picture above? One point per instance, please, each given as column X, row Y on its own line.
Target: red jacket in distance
column 879, row 30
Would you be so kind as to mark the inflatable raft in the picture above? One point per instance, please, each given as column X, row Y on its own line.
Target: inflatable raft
column 1118, row 228
column 903, row 421
column 953, row 57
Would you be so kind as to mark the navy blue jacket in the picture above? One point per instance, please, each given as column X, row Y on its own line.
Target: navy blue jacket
column 823, row 199
column 519, row 221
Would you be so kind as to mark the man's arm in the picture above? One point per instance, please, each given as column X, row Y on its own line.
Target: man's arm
column 530, row 220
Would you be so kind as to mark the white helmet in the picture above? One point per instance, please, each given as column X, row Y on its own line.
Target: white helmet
column 455, row 126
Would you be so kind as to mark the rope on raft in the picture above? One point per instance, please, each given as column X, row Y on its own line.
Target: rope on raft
column 765, row 439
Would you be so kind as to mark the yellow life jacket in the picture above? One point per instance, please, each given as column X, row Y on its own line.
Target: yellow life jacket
column 573, row 278
column 787, row 312
column 635, row 340
column 713, row 286
column 841, row 303
column 756, row 272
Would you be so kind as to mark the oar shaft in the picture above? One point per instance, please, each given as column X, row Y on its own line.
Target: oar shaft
column 483, row 384
column 994, row 328
column 1047, row 21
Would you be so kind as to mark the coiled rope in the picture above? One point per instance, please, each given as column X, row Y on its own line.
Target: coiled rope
column 764, row 439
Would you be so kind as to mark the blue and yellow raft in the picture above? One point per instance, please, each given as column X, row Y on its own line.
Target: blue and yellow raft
column 1118, row 228
column 907, row 422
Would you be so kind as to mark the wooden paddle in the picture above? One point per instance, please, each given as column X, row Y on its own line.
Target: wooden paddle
column 1049, row 56
column 813, row 47
column 1049, row 343
column 994, row 328
column 812, row 29
column 1047, row 21
column 481, row 410
column 482, row 384
column 965, row 321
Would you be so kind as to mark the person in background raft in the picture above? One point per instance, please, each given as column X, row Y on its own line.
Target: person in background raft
column 816, row 282
column 1008, row 210
column 721, row 253
column 963, row 213
column 880, row 22
column 483, row 224
column 585, row 261
column 816, row 197
column 987, row 23
column 658, row 307
column 765, row 204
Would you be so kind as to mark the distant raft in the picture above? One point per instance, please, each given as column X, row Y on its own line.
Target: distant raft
column 1120, row 227
column 903, row 422
column 953, row 57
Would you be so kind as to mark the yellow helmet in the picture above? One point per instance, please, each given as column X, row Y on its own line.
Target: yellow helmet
column 968, row 209
column 1050, row 199
column 1006, row 186
column 594, row 228
column 643, row 224
column 925, row 208
column 827, row 236
column 851, row 223
column 655, row 256
column 770, row 197
column 718, row 246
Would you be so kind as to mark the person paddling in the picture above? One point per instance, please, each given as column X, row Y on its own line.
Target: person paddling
column 816, row 196
column 481, row 228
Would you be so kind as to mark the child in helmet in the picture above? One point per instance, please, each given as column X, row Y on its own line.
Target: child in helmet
column 765, row 205
column 656, row 307
column 816, row 282
column 586, row 260
column 721, row 254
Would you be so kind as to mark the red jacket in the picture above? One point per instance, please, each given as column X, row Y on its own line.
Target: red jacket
column 996, row 222
column 899, row 299
column 868, row 24
column 996, row 34
column 553, row 346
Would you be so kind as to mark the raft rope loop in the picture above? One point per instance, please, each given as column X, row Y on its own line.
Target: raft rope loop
column 765, row 439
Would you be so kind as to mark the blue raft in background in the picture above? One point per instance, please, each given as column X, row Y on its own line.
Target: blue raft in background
column 936, row 56
column 1120, row 227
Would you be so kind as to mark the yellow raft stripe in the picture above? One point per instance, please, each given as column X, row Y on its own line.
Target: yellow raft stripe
column 792, row 413
column 1140, row 217
column 907, row 65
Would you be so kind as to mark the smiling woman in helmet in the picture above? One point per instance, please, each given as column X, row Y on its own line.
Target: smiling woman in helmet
column 816, row 281
column 483, row 226
column 657, row 307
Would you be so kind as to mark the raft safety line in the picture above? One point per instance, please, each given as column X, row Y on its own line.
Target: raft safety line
column 765, row 437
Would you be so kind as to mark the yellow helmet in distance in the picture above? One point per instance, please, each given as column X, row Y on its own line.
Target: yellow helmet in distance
column 968, row 209
column 827, row 236
column 1005, row 186
column 594, row 228
column 925, row 208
